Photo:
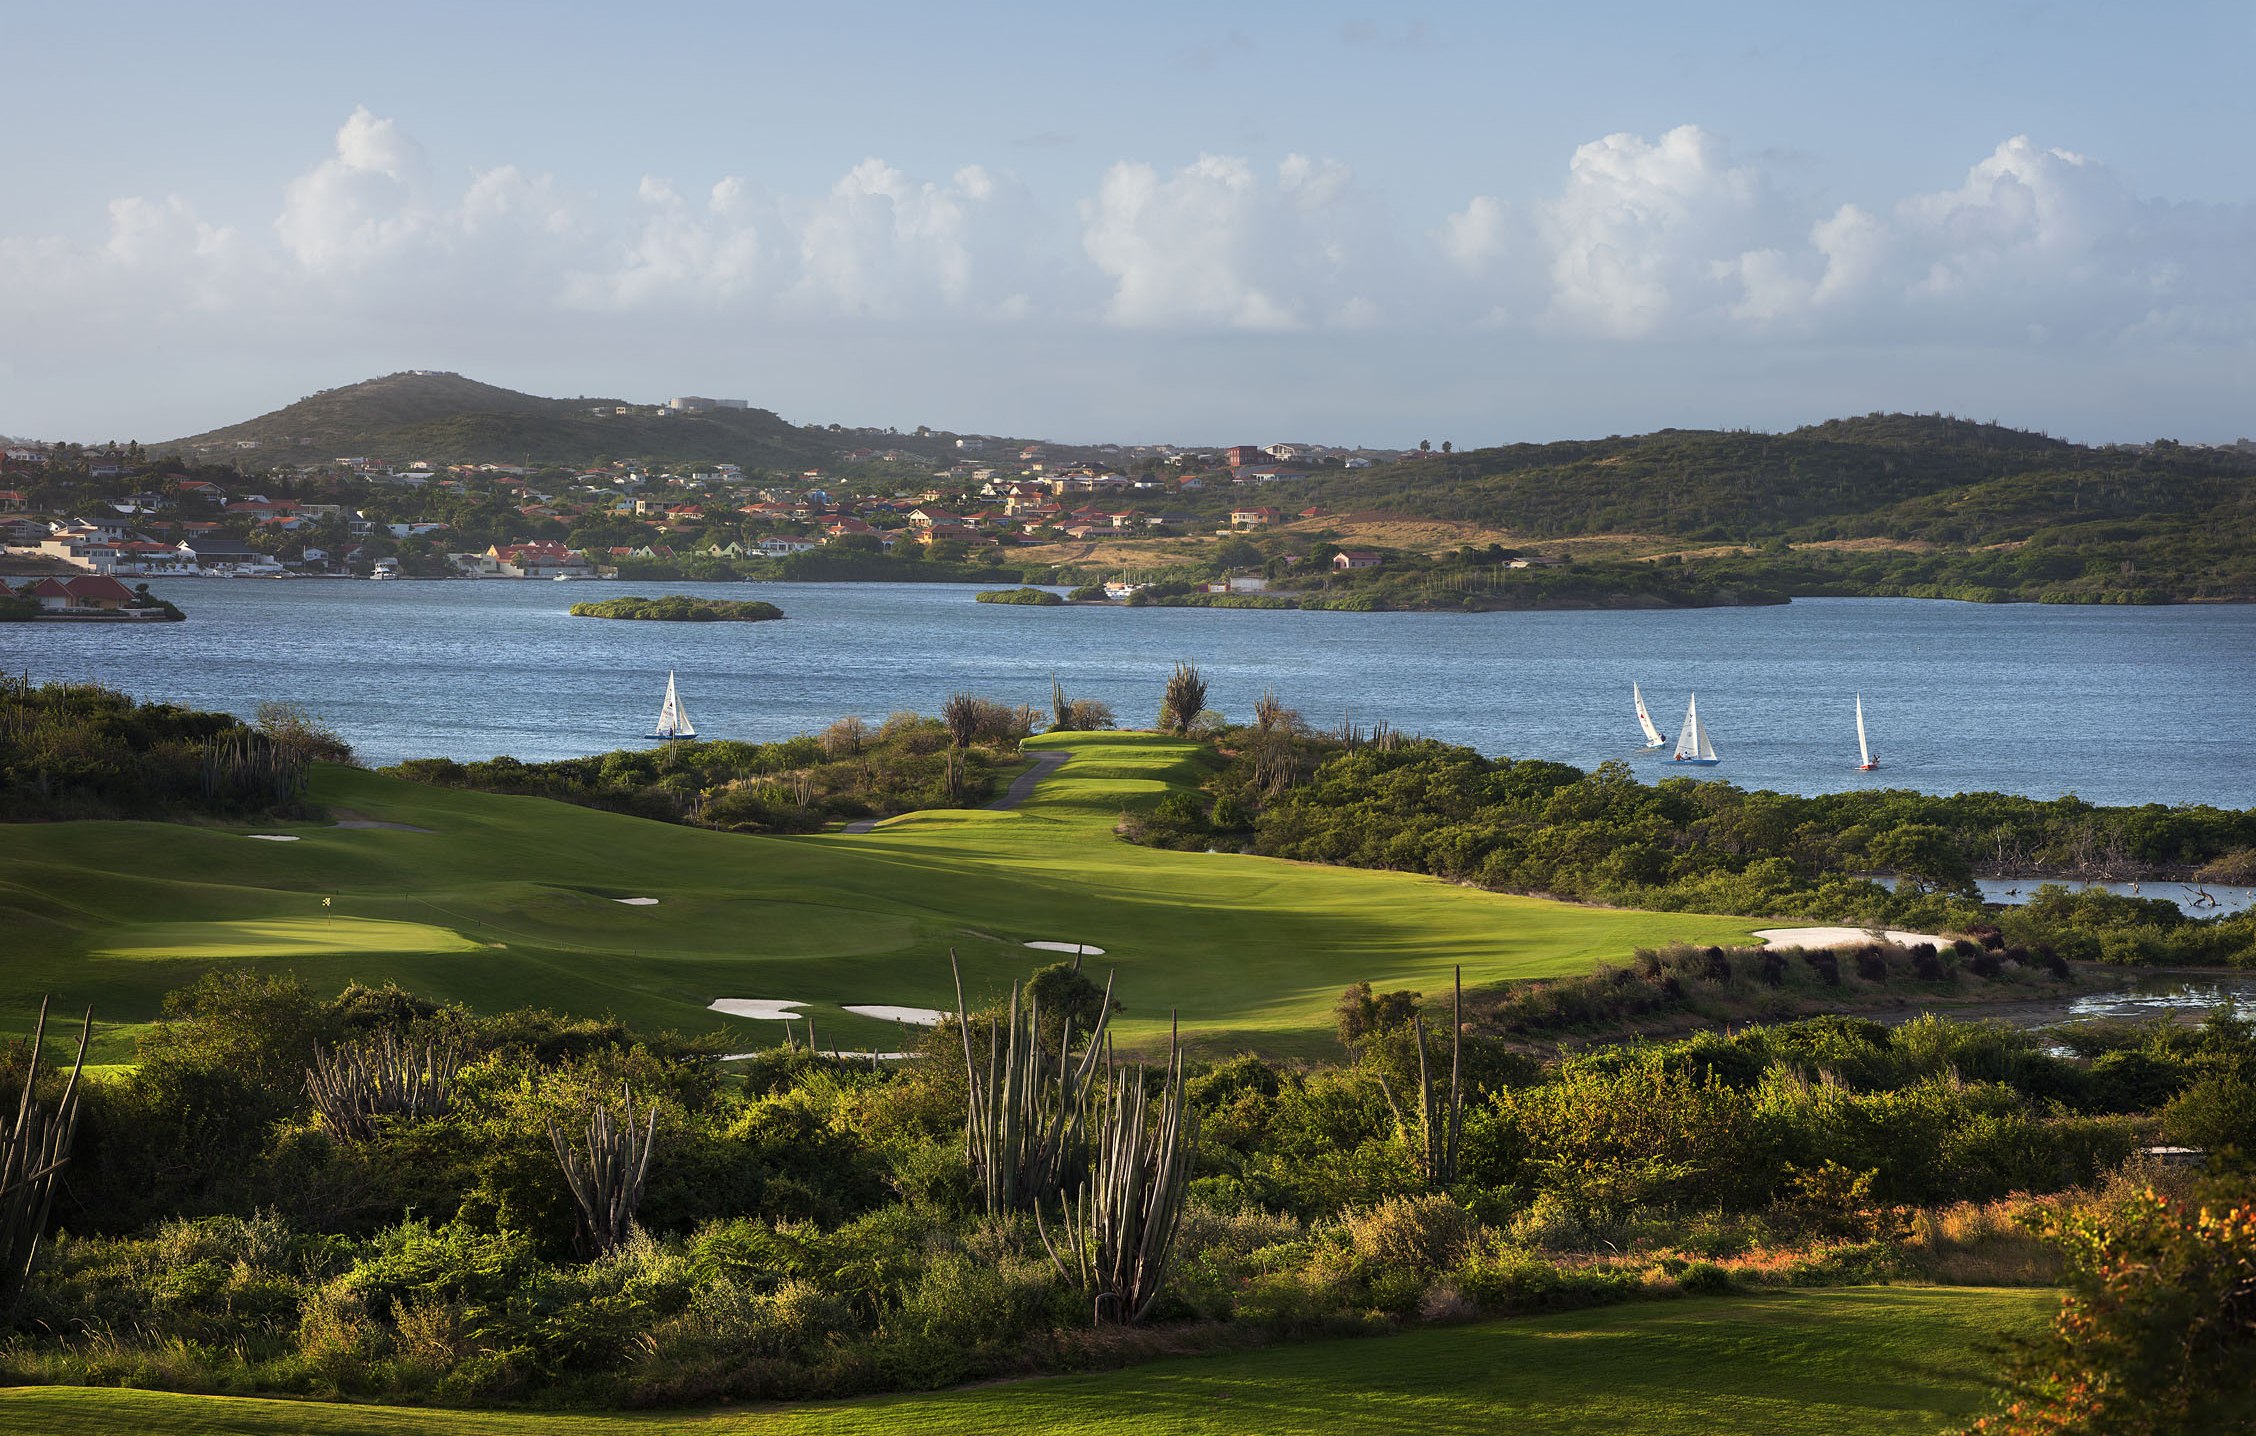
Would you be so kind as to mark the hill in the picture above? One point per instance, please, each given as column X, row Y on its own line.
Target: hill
column 446, row 418
column 1888, row 503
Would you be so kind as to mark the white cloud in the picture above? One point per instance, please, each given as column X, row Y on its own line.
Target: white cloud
column 1214, row 245
column 360, row 204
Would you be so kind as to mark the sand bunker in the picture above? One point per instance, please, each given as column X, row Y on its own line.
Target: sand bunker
column 766, row 1009
column 637, row 902
column 921, row 1016
column 272, row 837
column 1085, row 949
column 1815, row 937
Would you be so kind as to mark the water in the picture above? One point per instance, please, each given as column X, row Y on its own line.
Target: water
column 2118, row 705
column 2014, row 892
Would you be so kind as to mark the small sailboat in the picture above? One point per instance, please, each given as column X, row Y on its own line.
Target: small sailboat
column 1692, row 745
column 672, row 721
column 1865, row 761
column 1654, row 737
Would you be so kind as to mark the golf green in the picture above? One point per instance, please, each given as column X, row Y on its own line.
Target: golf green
column 507, row 901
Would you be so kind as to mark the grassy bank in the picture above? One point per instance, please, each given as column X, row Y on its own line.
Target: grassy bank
column 502, row 901
column 1857, row 1360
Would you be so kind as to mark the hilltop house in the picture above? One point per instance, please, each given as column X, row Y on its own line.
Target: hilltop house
column 1348, row 558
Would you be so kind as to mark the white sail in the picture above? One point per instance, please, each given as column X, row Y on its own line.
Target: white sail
column 1864, row 749
column 1653, row 738
column 1692, row 745
column 672, row 721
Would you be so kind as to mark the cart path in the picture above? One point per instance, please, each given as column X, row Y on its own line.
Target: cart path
column 1022, row 787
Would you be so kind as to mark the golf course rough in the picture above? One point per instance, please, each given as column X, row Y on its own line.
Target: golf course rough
column 508, row 901
column 1830, row 1362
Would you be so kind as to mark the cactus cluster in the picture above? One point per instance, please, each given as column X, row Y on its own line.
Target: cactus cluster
column 1441, row 1116
column 606, row 1183
column 1119, row 1230
column 352, row 1086
column 33, row 1152
column 1026, row 1120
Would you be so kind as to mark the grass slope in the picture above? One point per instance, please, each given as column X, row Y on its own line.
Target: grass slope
column 1807, row 1363
column 508, row 901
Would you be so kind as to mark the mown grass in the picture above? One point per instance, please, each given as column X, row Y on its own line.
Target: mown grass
column 1784, row 1363
column 508, row 901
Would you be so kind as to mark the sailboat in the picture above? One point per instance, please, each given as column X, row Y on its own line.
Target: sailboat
column 672, row 721
column 1654, row 737
column 1692, row 745
column 1865, row 761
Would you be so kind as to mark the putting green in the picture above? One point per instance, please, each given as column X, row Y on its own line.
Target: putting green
column 1804, row 1363
column 1251, row 951
column 283, row 937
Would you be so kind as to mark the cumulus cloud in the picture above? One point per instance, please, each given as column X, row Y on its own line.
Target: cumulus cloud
column 1643, row 239
column 1217, row 245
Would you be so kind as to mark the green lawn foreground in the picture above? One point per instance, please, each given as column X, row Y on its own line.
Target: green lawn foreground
column 1837, row 1362
column 508, row 901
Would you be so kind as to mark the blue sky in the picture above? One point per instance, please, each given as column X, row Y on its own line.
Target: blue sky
column 1198, row 222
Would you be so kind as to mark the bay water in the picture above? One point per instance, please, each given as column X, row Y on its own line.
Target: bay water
column 2116, row 705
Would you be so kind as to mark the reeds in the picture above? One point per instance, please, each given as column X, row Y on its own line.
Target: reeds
column 33, row 1153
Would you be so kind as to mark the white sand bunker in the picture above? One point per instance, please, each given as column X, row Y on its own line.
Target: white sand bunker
column 637, row 902
column 766, row 1009
column 921, row 1016
column 1085, row 949
column 272, row 837
column 1816, row 937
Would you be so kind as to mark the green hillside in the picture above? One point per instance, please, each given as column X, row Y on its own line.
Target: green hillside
column 1788, row 1363
column 1889, row 503
column 502, row 901
column 446, row 418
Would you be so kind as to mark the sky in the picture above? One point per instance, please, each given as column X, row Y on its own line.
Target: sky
column 1200, row 223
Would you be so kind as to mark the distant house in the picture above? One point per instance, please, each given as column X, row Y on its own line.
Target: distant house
column 1238, row 456
column 87, row 593
column 1348, row 558
column 12, row 501
column 784, row 545
column 1252, row 518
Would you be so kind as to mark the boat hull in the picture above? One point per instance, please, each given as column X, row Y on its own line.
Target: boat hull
column 1697, row 762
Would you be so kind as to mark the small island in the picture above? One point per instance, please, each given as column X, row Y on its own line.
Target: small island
column 1036, row 597
column 680, row 608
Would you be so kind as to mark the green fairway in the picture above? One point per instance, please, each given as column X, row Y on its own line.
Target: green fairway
column 507, row 901
column 1788, row 1363
column 282, row 937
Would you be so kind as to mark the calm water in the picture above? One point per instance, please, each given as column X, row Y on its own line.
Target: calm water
column 2118, row 705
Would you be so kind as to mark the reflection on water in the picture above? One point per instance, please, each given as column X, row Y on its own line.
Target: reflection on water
column 2188, row 896
column 2161, row 996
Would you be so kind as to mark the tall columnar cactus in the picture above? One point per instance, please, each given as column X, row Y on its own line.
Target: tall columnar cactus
column 33, row 1153
column 1118, row 1235
column 1026, row 1116
column 351, row 1087
column 1441, row 1118
column 606, row 1184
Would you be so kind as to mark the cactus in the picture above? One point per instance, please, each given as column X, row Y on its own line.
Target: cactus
column 1025, row 1119
column 33, row 1153
column 1434, row 1147
column 352, row 1087
column 1120, row 1229
column 606, row 1185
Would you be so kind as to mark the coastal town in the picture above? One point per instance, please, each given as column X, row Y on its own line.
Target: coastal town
column 123, row 514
